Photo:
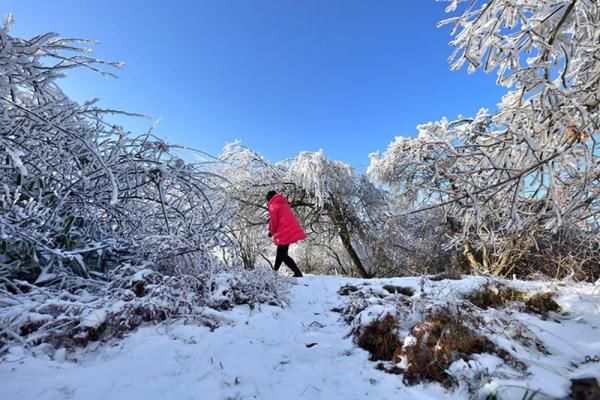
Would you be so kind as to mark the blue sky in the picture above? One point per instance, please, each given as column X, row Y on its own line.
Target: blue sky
column 283, row 76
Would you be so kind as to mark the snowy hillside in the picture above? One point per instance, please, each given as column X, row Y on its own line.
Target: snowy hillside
column 135, row 268
column 309, row 349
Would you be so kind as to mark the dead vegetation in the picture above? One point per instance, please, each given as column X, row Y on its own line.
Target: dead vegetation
column 347, row 289
column 380, row 338
column 585, row 388
column 439, row 340
column 495, row 295
column 452, row 274
column 492, row 295
column 406, row 291
column 542, row 304
column 421, row 345
column 573, row 253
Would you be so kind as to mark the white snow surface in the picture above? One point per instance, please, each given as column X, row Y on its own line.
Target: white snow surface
column 263, row 354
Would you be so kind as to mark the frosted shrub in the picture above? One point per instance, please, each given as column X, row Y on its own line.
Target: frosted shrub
column 79, row 195
column 101, row 230
column 96, row 311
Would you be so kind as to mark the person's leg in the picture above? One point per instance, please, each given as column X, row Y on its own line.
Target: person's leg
column 283, row 257
column 289, row 261
column 281, row 254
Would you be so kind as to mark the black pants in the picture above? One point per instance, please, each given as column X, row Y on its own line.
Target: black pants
column 282, row 257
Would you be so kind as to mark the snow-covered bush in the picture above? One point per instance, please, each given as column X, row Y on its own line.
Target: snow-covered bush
column 88, row 310
column 79, row 195
column 460, row 333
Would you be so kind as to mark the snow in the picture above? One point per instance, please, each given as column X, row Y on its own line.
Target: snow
column 94, row 319
column 16, row 155
column 45, row 275
column 300, row 352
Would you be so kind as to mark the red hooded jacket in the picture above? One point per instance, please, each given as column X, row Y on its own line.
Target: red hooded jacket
column 283, row 224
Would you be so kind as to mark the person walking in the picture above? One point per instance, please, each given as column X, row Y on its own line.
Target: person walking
column 285, row 229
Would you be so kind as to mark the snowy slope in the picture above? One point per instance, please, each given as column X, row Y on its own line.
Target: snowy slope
column 301, row 352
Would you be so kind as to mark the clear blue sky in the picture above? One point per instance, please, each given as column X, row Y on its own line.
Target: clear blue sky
column 283, row 76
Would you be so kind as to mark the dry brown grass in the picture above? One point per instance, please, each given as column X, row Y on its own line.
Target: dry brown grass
column 380, row 338
column 440, row 340
column 542, row 304
column 528, row 254
column 494, row 296
column 406, row 291
column 446, row 335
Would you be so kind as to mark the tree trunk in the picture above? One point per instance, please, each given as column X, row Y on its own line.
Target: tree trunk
column 337, row 217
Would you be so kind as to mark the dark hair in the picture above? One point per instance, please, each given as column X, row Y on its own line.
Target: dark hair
column 270, row 195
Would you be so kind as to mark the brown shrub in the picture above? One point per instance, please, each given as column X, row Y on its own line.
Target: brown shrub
column 30, row 327
column 542, row 304
column 440, row 340
column 406, row 291
column 494, row 296
column 380, row 338
column 570, row 252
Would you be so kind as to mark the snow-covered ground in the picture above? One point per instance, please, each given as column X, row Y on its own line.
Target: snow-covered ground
column 300, row 352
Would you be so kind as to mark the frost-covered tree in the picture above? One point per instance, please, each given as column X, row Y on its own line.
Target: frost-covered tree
column 247, row 177
column 345, row 215
column 547, row 128
column 351, row 207
column 532, row 168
